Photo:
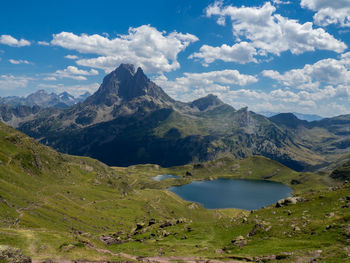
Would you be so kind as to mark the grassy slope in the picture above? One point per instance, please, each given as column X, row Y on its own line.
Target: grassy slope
column 52, row 203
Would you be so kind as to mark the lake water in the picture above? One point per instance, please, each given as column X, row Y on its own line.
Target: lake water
column 233, row 193
column 162, row 177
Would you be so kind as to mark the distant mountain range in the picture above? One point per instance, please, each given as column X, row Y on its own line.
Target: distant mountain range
column 301, row 116
column 44, row 99
column 131, row 120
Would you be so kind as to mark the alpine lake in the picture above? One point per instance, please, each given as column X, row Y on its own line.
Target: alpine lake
column 230, row 193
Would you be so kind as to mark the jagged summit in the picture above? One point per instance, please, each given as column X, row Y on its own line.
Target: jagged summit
column 206, row 102
column 125, row 84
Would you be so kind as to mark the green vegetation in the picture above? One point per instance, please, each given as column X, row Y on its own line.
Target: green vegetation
column 55, row 206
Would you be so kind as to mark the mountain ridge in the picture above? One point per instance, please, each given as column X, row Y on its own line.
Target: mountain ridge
column 131, row 120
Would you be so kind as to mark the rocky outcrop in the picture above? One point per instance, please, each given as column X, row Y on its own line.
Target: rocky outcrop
column 13, row 255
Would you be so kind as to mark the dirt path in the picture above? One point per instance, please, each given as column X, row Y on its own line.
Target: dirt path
column 158, row 259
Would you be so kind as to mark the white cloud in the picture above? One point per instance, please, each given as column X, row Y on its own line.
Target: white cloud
column 143, row 46
column 74, row 90
column 43, row 43
column 73, row 73
column 71, row 57
column 272, row 33
column 241, row 53
column 17, row 62
column 279, row 2
column 13, row 42
column 327, row 71
column 10, row 82
column 194, row 85
column 329, row 12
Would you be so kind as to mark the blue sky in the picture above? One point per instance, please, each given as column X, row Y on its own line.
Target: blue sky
column 273, row 55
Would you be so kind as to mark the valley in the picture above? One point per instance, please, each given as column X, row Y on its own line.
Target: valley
column 64, row 207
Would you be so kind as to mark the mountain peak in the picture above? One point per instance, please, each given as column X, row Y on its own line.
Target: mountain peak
column 128, row 68
column 125, row 84
column 206, row 102
column 287, row 119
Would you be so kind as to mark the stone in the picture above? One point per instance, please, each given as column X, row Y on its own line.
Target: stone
column 109, row 240
column 188, row 173
column 166, row 224
column 13, row 255
column 152, row 221
column 239, row 241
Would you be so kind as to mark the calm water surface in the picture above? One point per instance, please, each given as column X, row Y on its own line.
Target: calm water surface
column 233, row 193
column 162, row 177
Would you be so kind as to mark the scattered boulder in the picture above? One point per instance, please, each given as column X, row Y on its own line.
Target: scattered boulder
column 289, row 200
column 109, row 240
column 139, row 226
column 219, row 251
column 294, row 182
column 188, row 173
column 239, row 241
column 166, row 224
column 260, row 227
column 13, row 255
column 152, row 221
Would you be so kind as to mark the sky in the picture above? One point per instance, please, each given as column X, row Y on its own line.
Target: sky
column 278, row 55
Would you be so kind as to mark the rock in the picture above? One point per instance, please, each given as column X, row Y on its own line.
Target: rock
column 239, row 241
column 151, row 222
column 165, row 233
column 139, row 226
column 296, row 229
column 289, row 200
column 188, row 173
column 244, row 220
column 108, row 240
column 166, row 224
column 219, row 251
column 331, row 214
column 294, row 182
column 13, row 255
column 347, row 205
column 259, row 228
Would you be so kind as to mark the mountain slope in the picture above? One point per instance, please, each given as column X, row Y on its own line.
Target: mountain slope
column 58, row 207
column 131, row 120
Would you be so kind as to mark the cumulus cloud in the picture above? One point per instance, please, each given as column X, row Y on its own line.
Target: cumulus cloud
column 143, row 46
column 194, row 85
column 241, row 53
column 43, row 43
column 71, row 57
column 13, row 42
column 73, row 73
column 329, row 12
column 17, row 62
column 74, row 90
column 327, row 71
column 10, row 82
column 272, row 33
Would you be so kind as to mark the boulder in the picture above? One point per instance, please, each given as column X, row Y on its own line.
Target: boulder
column 13, row 255
column 152, row 221
column 166, row 224
column 289, row 200
column 239, row 241
column 109, row 240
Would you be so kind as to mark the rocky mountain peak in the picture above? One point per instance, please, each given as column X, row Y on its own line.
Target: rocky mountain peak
column 206, row 102
column 125, row 84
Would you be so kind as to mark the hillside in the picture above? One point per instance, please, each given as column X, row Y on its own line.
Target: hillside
column 55, row 206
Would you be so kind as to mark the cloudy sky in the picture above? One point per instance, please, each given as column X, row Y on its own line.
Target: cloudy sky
column 273, row 55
